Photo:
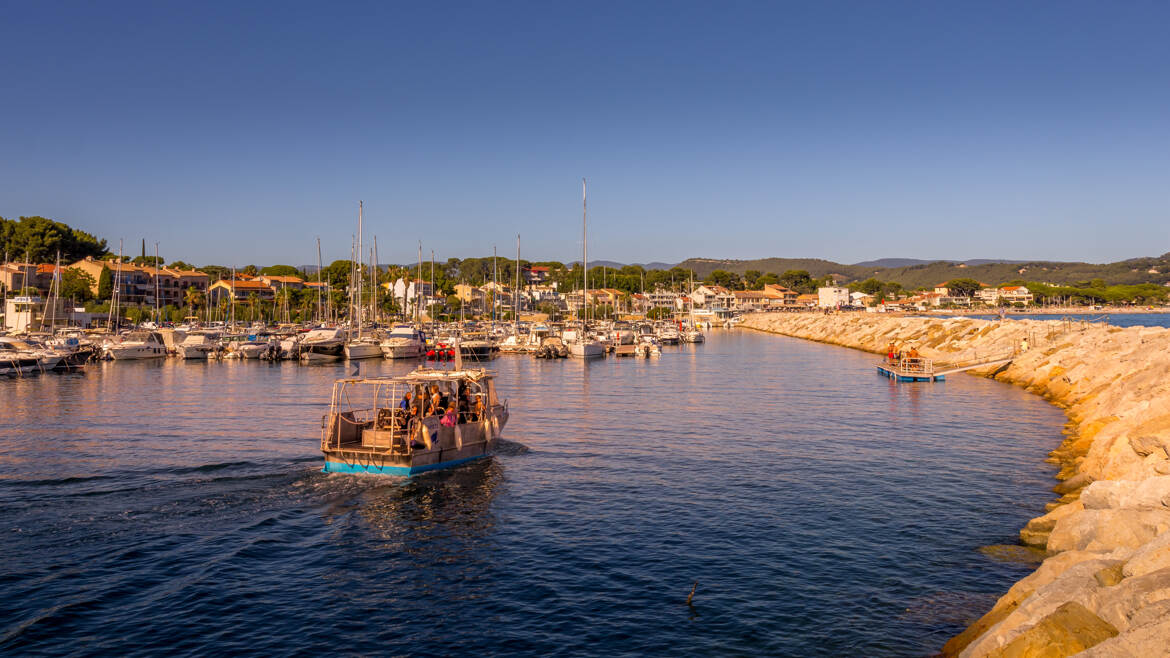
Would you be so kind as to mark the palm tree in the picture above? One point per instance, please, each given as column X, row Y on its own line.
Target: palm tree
column 194, row 297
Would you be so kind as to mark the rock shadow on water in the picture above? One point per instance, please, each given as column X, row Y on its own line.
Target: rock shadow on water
column 1013, row 553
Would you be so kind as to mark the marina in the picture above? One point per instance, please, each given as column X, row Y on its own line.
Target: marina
column 784, row 490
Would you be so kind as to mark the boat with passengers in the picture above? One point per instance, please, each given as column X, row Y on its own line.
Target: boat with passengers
column 429, row 419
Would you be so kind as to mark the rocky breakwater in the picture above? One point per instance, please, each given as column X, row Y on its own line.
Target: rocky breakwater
column 1104, row 587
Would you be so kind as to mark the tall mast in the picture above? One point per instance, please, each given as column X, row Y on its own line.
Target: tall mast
column 516, row 293
column 432, row 289
column 318, row 279
column 417, row 311
column 117, row 289
column 495, row 288
column 377, row 274
column 232, row 297
column 585, row 253
column 361, row 276
column 157, row 272
column 54, row 287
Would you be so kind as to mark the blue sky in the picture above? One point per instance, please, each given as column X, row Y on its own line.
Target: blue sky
column 238, row 133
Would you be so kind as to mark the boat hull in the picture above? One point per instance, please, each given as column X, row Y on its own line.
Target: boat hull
column 136, row 353
column 586, row 350
column 355, row 351
column 402, row 351
column 388, row 465
column 903, row 377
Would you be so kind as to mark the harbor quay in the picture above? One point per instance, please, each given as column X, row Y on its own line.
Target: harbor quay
column 1103, row 587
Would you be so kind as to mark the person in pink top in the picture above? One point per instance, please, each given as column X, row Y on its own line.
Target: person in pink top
column 449, row 419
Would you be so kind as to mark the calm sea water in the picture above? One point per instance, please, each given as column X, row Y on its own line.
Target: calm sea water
column 180, row 508
column 1116, row 319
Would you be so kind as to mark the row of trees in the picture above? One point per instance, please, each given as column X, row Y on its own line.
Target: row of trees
column 39, row 240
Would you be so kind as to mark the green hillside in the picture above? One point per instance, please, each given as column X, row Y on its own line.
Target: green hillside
column 1127, row 272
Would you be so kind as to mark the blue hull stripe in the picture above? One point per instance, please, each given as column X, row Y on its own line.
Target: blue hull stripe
column 342, row 467
column 885, row 372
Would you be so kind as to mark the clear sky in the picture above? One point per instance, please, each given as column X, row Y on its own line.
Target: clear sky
column 239, row 132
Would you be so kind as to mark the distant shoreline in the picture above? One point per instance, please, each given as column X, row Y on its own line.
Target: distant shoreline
column 1062, row 310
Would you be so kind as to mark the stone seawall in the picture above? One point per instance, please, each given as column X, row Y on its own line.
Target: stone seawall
column 1104, row 588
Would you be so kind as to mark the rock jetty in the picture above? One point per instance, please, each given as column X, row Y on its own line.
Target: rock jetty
column 1104, row 587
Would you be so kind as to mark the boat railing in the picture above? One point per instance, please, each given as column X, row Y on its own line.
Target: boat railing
column 914, row 365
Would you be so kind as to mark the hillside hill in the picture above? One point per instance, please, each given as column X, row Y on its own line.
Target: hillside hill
column 927, row 274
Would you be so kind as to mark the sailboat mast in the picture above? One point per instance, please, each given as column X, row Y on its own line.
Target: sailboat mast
column 157, row 271
column 585, row 251
column 495, row 288
column 318, row 279
column 516, row 292
column 377, row 274
column 117, row 285
column 361, row 274
column 417, row 311
column 232, row 297
column 432, row 287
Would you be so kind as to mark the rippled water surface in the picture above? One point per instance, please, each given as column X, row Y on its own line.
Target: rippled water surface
column 822, row 509
column 1116, row 319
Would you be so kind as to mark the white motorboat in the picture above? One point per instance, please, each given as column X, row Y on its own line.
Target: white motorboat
column 363, row 348
column 668, row 335
column 322, row 345
column 135, row 345
column 19, row 357
column 692, row 335
column 247, row 347
column 198, row 346
column 405, row 341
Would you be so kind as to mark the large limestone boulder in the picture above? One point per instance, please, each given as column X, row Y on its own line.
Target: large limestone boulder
column 1151, row 493
column 1151, row 557
column 1036, row 532
column 1149, row 641
column 1122, row 604
column 1076, row 584
column 1104, row 530
column 1068, row 630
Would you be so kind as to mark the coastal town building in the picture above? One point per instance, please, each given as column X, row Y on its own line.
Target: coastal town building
column 282, row 282
column 536, row 274
column 711, row 296
column 226, row 289
column 787, row 296
column 832, row 297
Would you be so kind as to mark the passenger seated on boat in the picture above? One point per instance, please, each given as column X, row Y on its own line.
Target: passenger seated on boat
column 477, row 412
column 449, row 419
column 464, row 406
column 435, row 407
column 405, row 403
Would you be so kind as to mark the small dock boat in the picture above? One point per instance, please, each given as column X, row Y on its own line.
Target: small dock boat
column 909, row 369
column 372, row 427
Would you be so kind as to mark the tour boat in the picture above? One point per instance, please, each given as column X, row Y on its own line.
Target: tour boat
column 322, row 345
column 367, row 429
column 405, row 341
column 136, row 345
